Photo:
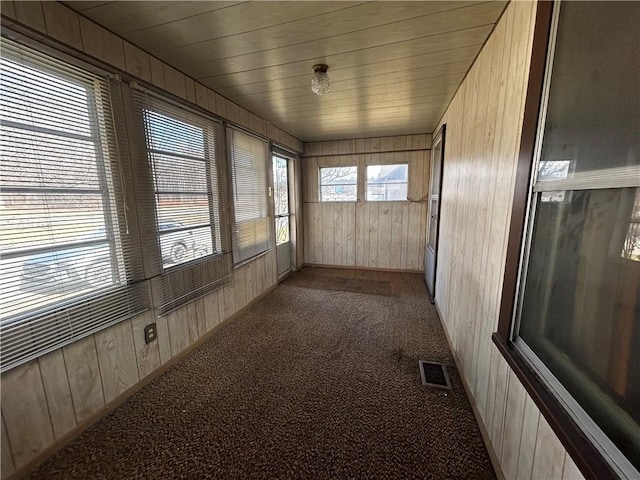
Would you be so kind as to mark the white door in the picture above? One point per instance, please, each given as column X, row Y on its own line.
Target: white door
column 282, row 209
column 431, row 257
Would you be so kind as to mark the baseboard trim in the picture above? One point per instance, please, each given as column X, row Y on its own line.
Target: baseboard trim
column 353, row 267
column 495, row 462
column 120, row 399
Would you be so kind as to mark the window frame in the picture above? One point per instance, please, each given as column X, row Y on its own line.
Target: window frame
column 544, row 389
column 366, row 181
column 320, row 184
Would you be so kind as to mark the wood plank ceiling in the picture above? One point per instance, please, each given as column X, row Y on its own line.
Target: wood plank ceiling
column 394, row 66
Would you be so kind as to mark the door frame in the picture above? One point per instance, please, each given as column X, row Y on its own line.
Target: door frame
column 438, row 138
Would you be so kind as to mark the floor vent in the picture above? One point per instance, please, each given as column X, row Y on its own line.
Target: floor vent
column 434, row 374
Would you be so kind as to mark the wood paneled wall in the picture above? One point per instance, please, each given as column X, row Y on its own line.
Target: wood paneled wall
column 50, row 399
column 484, row 124
column 386, row 235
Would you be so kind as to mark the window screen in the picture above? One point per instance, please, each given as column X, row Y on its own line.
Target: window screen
column 249, row 160
column 65, row 259
column 338, row 184
column 387, row 182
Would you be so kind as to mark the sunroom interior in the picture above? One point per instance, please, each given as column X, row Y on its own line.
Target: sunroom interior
column 301, row 190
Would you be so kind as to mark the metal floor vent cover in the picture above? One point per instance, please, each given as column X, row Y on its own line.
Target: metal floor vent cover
column 434, row 374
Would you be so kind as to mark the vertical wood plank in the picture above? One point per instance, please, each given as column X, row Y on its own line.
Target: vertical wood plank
column 147, row 354
column 211, row 311
column 190, row 86
column 249, row 282
column 157, row 72
column 102, row 44
column 395, row 256
column 359, row 232
column 178, row 330
column 306, row 232
column 502, row 384
column 229, row 299
column 350, row 228
column 137, row 62
column 374, row 232
column 58, row 393
column 7, row 464
column 31, row 14
column 8, row 9
column 83, row 373
column 240, row 287
column 548, row 461
column 514, row 414
column 164, row 339
column 62, row 24
column 405, row 236
column 384, row 234
column 191, row 321
column 327, row 233
column 220, row 105
column 233, row 111
column 531, row 417
column 220, row 303
column 202, row 95
column 571, row 471
column 336, row 222
column 414, row 236
column 117, row 359
column 174, row 81
column 25, row 412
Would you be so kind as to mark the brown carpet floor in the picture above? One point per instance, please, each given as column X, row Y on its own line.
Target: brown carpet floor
column 319, row 380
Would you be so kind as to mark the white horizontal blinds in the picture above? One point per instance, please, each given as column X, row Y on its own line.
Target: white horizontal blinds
column 63, row 271
column 250, row 232
column 183, row 153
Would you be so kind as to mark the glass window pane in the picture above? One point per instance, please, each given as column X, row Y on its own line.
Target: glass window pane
column 386, row 183
column 280, row 186
column 184, row 245
column 581, row 306
column 593, row 117
column 36, row 98
column 338, row 184
column 173, row 174
column 171, row 135
column 33, row 158
column 282, row 230
column 338, row 193
column 338, row 175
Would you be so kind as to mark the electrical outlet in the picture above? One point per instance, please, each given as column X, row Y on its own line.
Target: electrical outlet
column 150, row 333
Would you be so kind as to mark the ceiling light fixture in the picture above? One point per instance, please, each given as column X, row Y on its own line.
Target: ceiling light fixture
column 321, row 83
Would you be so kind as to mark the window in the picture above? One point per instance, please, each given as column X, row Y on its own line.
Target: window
column 250, row 232
column 64, row 267
column 181, row 152
column 578, row 311
column 281, row 199
column 180, row 198
column 338, row 184
column 387, row 183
